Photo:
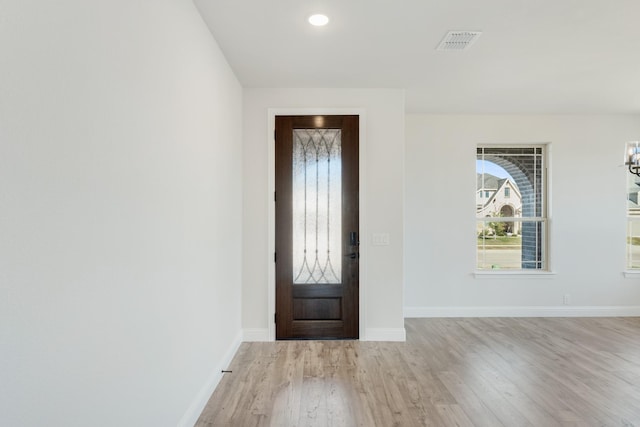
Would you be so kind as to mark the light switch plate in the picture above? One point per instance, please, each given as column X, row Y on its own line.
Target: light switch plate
column 380, row 239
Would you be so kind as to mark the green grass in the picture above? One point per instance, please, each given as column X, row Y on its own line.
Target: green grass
column 635, row 241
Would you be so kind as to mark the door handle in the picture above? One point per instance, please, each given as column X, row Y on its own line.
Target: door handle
column 353, row 238
column 353, row 255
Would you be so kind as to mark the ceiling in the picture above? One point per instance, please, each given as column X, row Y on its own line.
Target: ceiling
column 534, row 56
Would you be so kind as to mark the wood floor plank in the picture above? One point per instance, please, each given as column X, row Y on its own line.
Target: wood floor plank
column 450, row 372
column 470, row 403
column 540, row 362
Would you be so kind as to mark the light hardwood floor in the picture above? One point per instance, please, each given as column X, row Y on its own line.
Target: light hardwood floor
column 450, row 372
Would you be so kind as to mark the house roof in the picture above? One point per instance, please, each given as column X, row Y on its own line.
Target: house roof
column 490, row 182
column 493, row 183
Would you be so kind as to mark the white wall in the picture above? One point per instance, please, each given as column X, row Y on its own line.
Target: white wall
column 120, row 205
column 381, row 280
column 587, row 237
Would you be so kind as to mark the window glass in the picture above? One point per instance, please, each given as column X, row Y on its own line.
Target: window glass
column 633, row 221
column 511, row 227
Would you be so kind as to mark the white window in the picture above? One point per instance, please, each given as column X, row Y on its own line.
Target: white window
column 633, row 206
column 512, row 228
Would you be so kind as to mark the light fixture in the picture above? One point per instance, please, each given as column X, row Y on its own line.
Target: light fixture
column 318, row 20
column 633, row 157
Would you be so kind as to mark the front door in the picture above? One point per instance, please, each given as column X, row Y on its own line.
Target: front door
column 317, row 233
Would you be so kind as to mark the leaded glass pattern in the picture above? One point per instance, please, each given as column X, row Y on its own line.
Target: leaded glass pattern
column 317, row 206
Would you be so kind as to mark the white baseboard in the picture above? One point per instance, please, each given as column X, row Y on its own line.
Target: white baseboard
column 255, row 335
column 385, row 334
column 371, row 334
column 551, row 311
column 192, row 414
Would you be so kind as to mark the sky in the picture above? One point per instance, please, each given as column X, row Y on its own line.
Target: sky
column 492, row 169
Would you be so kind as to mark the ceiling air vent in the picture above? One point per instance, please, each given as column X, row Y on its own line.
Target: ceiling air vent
column 458, row 40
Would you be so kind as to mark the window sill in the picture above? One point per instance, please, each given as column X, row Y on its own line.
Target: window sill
column 481, row 274
column 631, row 274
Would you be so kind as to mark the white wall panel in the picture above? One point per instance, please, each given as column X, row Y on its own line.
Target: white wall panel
column 587, row 215
column 120, row 206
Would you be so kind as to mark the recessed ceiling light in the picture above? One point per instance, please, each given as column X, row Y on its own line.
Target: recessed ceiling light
column 318, row 20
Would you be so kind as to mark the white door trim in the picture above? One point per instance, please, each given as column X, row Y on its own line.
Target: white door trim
column 271, row 282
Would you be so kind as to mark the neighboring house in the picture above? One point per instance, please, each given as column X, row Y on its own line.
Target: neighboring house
column 498, row 197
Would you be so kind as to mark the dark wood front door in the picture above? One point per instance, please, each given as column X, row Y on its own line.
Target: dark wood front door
column 317, row 222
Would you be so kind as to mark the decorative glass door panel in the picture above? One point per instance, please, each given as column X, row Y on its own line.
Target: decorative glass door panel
column 317, row 206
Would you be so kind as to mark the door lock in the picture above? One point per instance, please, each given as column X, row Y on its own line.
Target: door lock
column 353, row 239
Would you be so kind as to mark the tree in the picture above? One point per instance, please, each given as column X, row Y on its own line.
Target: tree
column 499, row 228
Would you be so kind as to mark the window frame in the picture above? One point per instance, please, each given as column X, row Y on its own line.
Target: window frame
column 632, row 217
column 630, row 220
column 544, row 218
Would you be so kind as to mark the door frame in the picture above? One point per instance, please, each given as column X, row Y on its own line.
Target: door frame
column 271, row 228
